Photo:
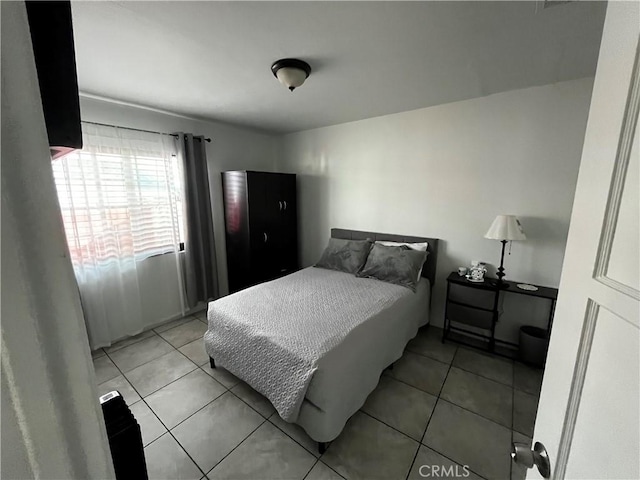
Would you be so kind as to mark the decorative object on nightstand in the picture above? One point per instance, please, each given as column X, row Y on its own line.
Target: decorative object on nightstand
column 477, row 271
column 505, row 228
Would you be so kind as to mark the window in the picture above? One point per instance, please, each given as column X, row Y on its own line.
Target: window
column 124, row 202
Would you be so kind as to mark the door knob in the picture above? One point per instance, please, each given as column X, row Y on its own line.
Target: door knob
column 285, row 204
column 280, row 203
column 523, row 455
column 265, row 237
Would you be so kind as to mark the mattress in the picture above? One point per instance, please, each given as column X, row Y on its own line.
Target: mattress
column 350, row 372
column 332, row 332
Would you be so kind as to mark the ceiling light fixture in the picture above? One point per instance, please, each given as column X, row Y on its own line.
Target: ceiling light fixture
column 291, row 72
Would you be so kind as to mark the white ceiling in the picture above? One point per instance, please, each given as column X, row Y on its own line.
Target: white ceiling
column 212, row 59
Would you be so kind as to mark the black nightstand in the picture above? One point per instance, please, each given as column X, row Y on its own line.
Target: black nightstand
column 476, row 304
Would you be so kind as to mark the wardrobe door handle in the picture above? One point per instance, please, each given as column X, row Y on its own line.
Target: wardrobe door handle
column 285, row 204
column 265, row 237
column 280, row 203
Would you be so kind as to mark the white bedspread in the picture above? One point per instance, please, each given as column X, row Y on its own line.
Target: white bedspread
column 274, row 334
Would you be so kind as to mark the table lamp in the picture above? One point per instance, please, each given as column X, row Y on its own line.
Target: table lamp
column 505, row 228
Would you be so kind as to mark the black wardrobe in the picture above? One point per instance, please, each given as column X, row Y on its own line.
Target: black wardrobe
column 261, row 226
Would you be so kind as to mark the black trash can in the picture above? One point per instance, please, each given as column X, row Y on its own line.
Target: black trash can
column 534, row 343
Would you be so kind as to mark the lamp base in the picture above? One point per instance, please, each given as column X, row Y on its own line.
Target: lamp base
column 499, row 283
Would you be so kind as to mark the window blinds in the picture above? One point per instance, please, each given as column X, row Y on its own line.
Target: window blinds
column 121, row 196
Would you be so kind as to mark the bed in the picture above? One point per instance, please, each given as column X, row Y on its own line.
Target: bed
column 316, row 342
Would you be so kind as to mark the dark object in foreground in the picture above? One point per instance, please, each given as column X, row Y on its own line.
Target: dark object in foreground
column 51, row 27
column 125, row 440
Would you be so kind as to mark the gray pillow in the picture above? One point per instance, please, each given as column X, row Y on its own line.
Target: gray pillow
column 398, row 265
column 345, row 255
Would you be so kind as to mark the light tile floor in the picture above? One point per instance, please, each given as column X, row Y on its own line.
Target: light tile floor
column 441, row 405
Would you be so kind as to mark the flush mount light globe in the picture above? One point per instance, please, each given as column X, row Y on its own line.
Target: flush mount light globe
column 291, row 72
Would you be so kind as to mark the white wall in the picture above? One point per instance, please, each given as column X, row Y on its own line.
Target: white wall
column 446, row 172
column 232, row 148
column 443, row 171
column 52, row 424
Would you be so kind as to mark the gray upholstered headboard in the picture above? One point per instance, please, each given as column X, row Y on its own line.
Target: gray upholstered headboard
column 429, row 270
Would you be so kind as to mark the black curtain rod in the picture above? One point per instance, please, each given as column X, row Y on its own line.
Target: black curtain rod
column 140, row 130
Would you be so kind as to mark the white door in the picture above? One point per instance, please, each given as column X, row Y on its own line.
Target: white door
column 588, row 415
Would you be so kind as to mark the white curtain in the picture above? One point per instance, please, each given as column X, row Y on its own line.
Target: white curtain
column 122, row 205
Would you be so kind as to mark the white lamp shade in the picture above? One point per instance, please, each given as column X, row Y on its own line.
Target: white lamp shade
column 291, row 77
column 506, row 227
